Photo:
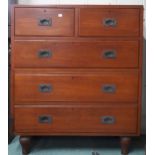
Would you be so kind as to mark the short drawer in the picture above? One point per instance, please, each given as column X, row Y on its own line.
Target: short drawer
column 109, row 22
column 44, row 22
column 68, row 119
column 109, row 54
column 76, row 85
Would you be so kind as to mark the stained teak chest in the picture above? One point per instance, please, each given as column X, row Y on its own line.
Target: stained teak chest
column 76, row 70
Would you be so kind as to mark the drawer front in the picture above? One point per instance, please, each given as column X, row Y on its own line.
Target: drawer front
column 108, row 86
column 109, row 54
column 114, row 119
column 44, row 22
column 109, row 22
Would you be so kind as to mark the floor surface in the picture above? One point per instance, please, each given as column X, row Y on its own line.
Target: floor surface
column 78, row 146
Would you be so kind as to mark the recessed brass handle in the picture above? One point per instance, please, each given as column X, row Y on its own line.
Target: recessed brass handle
column 109, row 54
column 109, row 22
column 108, row 119
column 109, row 88
column 45, row 22
column 45, row 119
column 45, row 88
column 44, row 54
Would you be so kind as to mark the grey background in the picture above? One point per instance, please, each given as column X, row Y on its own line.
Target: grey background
column 143, row 125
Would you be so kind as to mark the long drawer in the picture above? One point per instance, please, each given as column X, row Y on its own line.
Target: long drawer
column 109, row 22
column 44, row 22
column 68, row 119
column 76, row 85
column 108, row 54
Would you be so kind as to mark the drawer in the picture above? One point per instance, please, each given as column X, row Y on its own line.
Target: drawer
column 109, row 22
column 68, row 119
column 109, row 54
column 76, row 85
column 44, row 22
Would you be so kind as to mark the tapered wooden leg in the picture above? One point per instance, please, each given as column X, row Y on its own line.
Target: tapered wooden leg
column 125, row 143
column 25, row 144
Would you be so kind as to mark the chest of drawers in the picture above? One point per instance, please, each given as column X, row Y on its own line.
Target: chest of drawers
column 76, row 70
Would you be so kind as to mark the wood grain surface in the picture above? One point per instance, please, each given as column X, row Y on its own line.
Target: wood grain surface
column 92, row 22
column 90, row 54
column 76, row 119
column 27, row 22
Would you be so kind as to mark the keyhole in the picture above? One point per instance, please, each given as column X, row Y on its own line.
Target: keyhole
column 72, row 77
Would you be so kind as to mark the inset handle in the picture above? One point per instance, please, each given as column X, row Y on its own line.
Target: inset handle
column 109, row 88
column 45, row 88
column 44, row 54
column 109, row 54
column 45, row 119
column 45, row 22
column 109, row 22
column 107, row 119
